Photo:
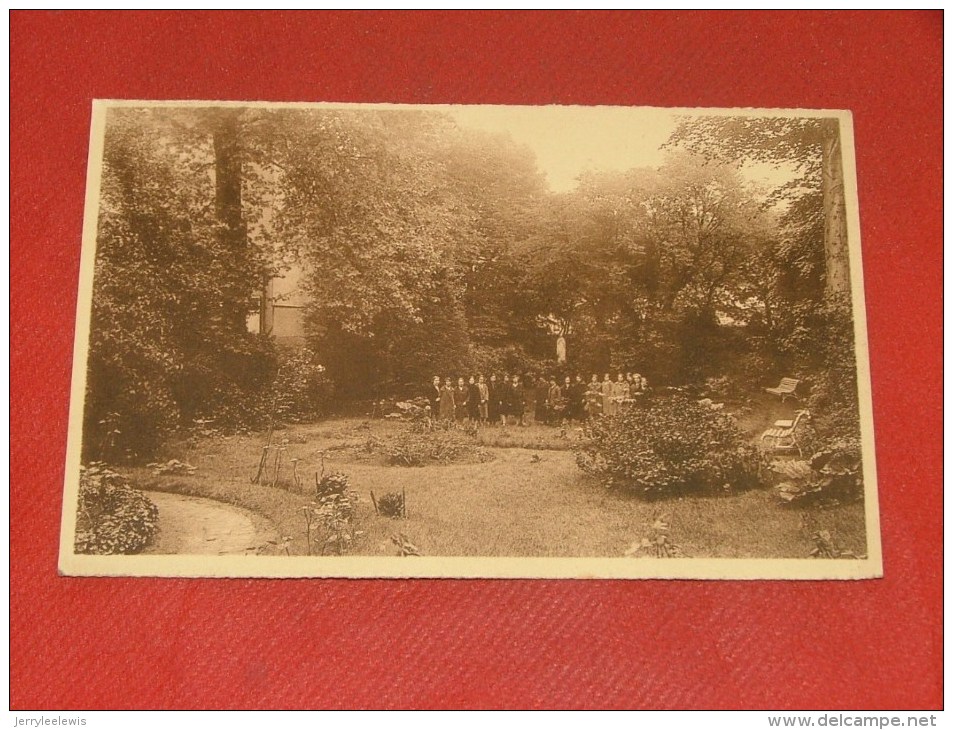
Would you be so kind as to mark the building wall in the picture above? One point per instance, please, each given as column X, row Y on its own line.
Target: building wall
column 281, row 309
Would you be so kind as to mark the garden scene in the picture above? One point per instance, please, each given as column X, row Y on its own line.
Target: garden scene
column 483, row 350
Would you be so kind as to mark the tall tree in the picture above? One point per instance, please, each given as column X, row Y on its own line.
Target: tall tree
column 812, row 146
column 225, row 125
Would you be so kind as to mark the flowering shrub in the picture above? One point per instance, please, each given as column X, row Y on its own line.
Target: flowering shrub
column 667, row 446
column 113, row 517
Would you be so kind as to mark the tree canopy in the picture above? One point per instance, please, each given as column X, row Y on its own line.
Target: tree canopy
column 428, row 248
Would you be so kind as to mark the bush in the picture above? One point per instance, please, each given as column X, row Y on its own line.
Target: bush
column 832, row 475
column 667, row 446
column 391, row 504
column 329, row 519
column 488, row 359
column 416, row 447
column 113, row 517
column 337, row 482
column 302, row 390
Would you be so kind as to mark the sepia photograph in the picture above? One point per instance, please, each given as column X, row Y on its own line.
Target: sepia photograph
column 368, row 340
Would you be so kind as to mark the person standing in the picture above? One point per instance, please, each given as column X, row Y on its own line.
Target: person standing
column 506, row 400
column 517, row 400
column 566, row 409
column 529, row 401
column 542, row 399
column 483, row 392
column 446, row 401
column 608, row 407
column 577, row 400
column 433, row 397
column 553, row 396
column 636, row 387
column 620, row 392
column 594, row 397
column 460, row 400
column 493, row 405
column 473, row 401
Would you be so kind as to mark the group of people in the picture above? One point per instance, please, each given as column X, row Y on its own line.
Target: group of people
column 547, row 400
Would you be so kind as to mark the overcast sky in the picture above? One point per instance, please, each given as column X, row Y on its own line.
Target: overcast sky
column 569, row 140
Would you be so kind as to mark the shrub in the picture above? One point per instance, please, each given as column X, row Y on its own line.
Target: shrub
column 391, row 504
column 831, row 476
column 489, row 359
column 414, row 447
column 669, row 445
column 336, row 482
column 302, row 390
column 113, row 517
column 329, row 521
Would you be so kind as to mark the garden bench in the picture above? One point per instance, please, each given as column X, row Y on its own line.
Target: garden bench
column 782, row 436
column 785, row 388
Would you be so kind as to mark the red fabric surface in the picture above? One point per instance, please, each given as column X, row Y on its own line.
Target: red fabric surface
column 151, row 643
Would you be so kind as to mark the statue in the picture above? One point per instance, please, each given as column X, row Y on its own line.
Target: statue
column 561, row 349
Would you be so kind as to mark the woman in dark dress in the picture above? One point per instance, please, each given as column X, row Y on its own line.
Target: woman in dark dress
column 506, row 400
column 529, row 400
column 577, row 400
column 517, row 398
column 460, row 394
column 493, row 404
column 473, row 400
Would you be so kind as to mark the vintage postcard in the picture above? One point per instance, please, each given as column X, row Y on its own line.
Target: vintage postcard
column 470, row 341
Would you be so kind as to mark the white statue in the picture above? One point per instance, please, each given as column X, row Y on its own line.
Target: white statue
column 561, row 349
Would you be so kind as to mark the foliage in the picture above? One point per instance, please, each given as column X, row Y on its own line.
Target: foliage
column 832, row 475
column 329, row 522
column 658, row 543
column 826, row 544
column 508, row 359
column 112, row 516
column 167, row 343
column 669, row 445
column 404, row 546
column 391, row 504
column 172, row 466
column 301, row 390
column 429, row 250
column 815, row 219
column 438, row 445
column 334, row 483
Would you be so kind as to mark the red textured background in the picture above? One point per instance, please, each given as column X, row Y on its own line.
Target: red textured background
column 150, row 643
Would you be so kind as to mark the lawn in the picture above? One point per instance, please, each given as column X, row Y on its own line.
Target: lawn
column 529, row 499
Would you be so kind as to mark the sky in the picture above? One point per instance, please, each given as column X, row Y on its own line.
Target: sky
column 569, row 140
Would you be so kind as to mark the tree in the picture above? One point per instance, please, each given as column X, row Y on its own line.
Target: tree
column 811, row 146
column 165, row 343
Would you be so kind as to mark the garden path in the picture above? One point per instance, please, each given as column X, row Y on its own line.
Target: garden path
column 199, row 526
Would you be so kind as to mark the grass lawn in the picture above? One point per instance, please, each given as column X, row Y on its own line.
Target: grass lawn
column 529, row 500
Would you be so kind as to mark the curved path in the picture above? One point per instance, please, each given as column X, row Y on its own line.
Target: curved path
column 199, row 526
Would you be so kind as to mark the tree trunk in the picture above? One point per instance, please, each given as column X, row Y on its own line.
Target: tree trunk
column 836, row 257
column 228, row 209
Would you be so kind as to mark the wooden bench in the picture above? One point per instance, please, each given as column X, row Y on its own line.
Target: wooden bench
column 782, row 436
column 785, row 388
